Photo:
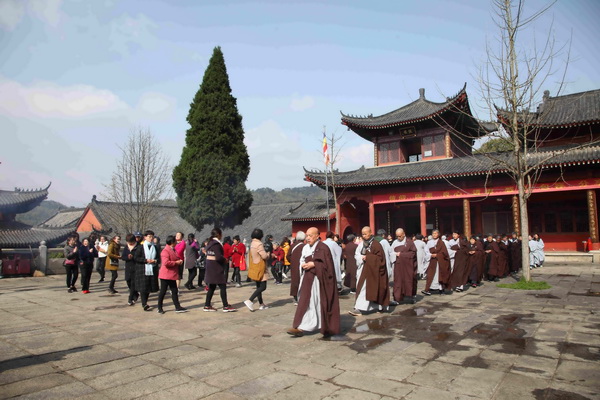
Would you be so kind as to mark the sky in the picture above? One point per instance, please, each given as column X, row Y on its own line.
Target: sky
column 77, row 76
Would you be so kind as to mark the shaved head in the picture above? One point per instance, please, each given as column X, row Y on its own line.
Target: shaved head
column 400, row 233
column 312, row 235
column 366, row 233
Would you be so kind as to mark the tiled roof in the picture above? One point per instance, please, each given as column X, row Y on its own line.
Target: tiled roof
column 561, row 111
column 419, row 110
column 23, row 238
column 450, row 168
column 267, row 217
column 64, row 218
column 19, row 201
column 311, row 211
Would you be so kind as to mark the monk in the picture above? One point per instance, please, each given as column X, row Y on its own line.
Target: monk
column 404, row 257
column 350, row 261
column 293, row 257
column 438, row 271
column 492, row 261
column 475, row 261
column 318, row 302
column 372, row 288
column 458, row 262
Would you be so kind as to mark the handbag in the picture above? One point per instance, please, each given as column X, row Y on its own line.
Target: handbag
column 256, row 272
column 243, row 262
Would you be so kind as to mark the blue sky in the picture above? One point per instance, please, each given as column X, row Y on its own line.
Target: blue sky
column 76, row 76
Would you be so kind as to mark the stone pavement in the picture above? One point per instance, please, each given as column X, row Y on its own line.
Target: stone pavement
column 485, row 343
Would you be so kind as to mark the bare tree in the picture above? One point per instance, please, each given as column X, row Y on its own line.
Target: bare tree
column 511, row 81
column 141, row 180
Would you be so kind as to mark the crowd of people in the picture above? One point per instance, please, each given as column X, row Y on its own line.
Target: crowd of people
column 368, row 265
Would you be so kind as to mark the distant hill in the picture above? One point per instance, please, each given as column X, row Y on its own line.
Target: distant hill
column 297, row 194
column 41, row 213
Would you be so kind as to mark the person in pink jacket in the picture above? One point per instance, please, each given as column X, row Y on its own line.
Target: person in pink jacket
column 169, row 274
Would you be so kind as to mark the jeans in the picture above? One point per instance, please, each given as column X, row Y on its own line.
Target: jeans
column 72, row 274
column 236, row 276
column 260, row 288
column 192, row 272
column 100, row 263
column 211, row 291
column 86, row 275
column 164, row 284
column 113, row 278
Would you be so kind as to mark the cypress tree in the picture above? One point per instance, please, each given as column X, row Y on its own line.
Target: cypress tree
column 210, row 180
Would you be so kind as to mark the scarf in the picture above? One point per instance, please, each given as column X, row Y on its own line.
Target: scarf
column 307, row 251
column 150, row 254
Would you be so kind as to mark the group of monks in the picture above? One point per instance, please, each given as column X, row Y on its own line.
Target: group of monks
column 371, row 263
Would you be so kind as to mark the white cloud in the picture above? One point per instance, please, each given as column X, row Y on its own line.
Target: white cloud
column 354, row 157
column 13, row 11
column 45, row 99
column 156, row 105
column 128, row 32
column 302, row 103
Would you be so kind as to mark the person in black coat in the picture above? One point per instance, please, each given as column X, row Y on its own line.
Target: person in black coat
column 215, row 271
column 128, row 255
column 146, row 269
column 87, row 253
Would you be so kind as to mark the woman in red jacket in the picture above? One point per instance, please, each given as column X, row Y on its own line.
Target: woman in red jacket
column 169, row 274
column 277, row 263
column 238, row 252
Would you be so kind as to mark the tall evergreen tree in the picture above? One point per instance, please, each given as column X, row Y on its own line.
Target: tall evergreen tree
column 210, row 180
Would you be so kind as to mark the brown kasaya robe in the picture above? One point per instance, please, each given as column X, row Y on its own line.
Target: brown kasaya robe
column 515, row 255
column 494, row 268
column 293, row 257
column 502, row 259
column 460, row 273
column 324, row 270
column 348, row 255
column 374, row 275
column 442, row 260
column 405, row 271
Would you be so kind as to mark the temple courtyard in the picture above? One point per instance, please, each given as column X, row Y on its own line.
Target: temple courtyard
column 485, row 343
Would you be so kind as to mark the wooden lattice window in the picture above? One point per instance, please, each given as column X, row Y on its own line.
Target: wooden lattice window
column 389, row 153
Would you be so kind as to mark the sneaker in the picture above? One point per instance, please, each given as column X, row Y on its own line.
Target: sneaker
column 160, row 311
column 355, row 313
column 210, row 309
column 352, row 291
column 147, row 308
column 229, row 309
column 249, row 304
column 295, row 303
column 263, row 307
column 70, row 290
column 238, row 285
column 74, row 288
column 393, row 303
column 426, row 292
column 181, row 310
column 85, row 291
column 206, row 288
column 101, row 280
column 284, row 275
column 130, row 303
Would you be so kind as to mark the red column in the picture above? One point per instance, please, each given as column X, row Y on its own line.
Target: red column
column 423, row 210
column 593, row 218
column 372, row 216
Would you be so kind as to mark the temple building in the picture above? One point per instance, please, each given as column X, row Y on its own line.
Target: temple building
column 14, row 234
column 426, row 175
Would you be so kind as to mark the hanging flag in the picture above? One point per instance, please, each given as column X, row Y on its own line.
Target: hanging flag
column 325, row 151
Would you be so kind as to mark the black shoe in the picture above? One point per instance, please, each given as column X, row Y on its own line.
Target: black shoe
column 158, row 311
column 73, row 288
column 426, row 292
column 393, row 303
column 70, row 290
column 112, row 291
column 147, row 308
column 101, row 280
column 130, row 303
column 181, row 310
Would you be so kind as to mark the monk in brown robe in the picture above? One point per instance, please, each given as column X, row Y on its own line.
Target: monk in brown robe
column 475, row 261
column 493, row 254
column 439, row 264
column 350, row 261
column 372, row 288
column 404, row 258
column 318, row 303
column 503, row 256
column 459, row 276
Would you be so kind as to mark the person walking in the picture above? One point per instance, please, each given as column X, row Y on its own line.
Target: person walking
column 169, row 271
column 191, row 256
column 285, row 246
column 146, row 259
column 112, row 262
column 277, row 263
column 294, row 256
column 131, row 247
column 71, row 252
column 87, row 253
column 102, row 249
column 257, row 269
column 238, row 255
column 215, row 272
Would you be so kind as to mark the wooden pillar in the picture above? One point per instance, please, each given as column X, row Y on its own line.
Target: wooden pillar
column 372, row 216
column 423, row 212
column 516, row 214
column 593, row 218
column 467, row 218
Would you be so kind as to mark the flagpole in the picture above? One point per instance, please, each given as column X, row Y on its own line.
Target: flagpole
column 327, row 188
